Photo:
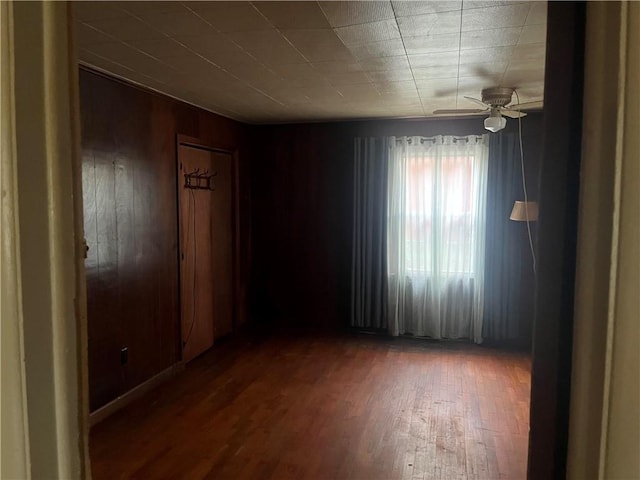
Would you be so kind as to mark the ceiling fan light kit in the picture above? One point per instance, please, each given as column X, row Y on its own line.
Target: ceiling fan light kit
column 495, row 122
column 495, row 100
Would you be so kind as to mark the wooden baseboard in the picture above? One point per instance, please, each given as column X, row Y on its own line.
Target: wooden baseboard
column 123, row 400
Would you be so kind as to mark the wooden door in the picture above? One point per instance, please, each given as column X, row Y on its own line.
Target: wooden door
column 206, row 244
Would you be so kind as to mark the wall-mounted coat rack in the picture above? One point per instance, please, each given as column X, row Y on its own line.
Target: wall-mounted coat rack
column 198, row 180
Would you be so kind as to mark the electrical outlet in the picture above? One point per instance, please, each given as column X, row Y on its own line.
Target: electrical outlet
column 124, row 355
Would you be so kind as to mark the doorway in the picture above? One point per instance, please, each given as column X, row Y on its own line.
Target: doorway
column 205, row 186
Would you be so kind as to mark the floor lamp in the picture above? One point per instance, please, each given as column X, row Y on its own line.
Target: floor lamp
column 526, row 212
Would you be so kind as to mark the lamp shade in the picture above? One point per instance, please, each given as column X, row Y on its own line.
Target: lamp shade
column 523, row 211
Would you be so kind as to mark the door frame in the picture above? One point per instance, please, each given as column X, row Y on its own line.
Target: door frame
column 557, row 241
column 195, row 142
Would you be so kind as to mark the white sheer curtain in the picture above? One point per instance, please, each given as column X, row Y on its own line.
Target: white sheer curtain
column 436, row 235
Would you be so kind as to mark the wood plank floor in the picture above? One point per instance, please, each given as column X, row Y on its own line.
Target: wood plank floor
column 325, row 407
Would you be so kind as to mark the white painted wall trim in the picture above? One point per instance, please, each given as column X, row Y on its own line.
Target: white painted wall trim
column 620, row 455
column 14, row 439
column 48, row 235
column 604, row 430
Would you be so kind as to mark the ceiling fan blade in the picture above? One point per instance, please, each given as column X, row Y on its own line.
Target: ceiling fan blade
column 512, row 113
column 527, row 105
column 458, row 112
column 479, row 102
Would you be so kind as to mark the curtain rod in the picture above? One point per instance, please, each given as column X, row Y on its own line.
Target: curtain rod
column 455, row 138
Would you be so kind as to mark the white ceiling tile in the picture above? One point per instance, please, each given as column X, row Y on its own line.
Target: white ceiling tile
column 300, row 77
column 305, row 15
column 534, row 68
column 537, row 14
column 318, row 45
column 368, row 32
column 278, row 55
column 258, row 39
column 486, row 55
column 348, row 78
column 253, row 98
column 400, row 107
column 178, row 23
column 156, row 70
column 430, row 24
column 492, row 71
column 119, row 52
column 325, row 53
column 141, row 8
column 104, row 63
column 337, row 67
column 163, row 47
column 512, row 15
column 385, row 63
column 223, row 85
column 289, row 96
column 294, row 69
column 268, row 46
column 496, row 37
column 310, row 37
column 472, row 86
column 399, row 101
column 533, row 51
column 353, row 92
column 125, row 28
column 471, row 4
column 516, row 77
column 410, row 8
column 432, row 43
column 322, row 94
column 387, row 48
column 437, row 87
column 231, row 16
column 393, row 75
column 439, row 103
column 88, row 35
column 400, row 86
column 254, row 74
column 190, row 62
column 316, row 80
column 434, row 59
column 435, row 71
column 87, row 11
column 215, row 47
column 341, row 14
column 533, row 34
column 230, row 57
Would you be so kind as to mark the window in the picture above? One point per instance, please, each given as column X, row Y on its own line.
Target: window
column 437, row 190
column 439, row 210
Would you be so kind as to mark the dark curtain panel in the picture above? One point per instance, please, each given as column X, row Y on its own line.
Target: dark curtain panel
column 369, row 264
column 508, row 302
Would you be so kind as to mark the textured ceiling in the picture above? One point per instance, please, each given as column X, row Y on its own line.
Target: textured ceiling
column 265, row 62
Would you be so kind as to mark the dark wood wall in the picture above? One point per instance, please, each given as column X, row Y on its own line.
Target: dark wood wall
column 130, row 215
column 302, row 177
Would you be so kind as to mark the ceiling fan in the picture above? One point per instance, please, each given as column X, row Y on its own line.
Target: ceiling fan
column 495, row 100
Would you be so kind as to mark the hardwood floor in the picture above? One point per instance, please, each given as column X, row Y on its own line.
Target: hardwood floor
column 324, row 407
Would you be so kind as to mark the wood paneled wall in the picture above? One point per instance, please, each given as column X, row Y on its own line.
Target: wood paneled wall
column 131, row 226
column 302, row 177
